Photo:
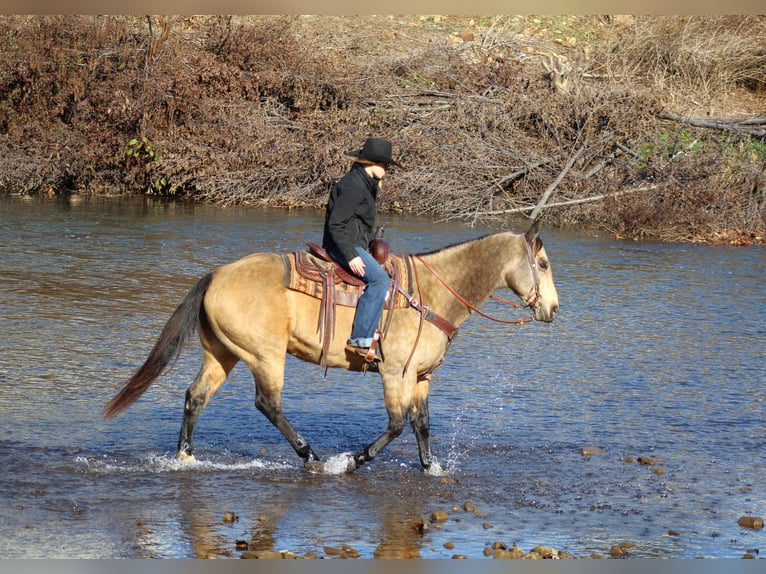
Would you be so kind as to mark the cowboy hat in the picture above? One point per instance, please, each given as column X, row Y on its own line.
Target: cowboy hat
column 377, row 150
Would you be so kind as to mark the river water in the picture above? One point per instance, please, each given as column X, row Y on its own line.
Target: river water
column 658, row 352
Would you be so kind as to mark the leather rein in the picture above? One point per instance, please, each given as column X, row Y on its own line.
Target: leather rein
column 426, row 314
column 530, row 300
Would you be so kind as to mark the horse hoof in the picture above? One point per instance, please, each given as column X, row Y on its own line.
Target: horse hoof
column 314, row 466
column 181, row 455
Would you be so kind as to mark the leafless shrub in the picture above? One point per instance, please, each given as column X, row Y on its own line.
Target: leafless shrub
column 260, row 111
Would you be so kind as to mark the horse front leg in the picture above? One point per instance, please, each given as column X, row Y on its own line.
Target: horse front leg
column 420, row 422
column 396, row 423
column 397, row 393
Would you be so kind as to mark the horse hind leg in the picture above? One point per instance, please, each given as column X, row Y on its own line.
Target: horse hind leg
column 269, row 379
column 213, row 373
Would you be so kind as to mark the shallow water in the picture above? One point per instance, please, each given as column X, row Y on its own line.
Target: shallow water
column 658, row 352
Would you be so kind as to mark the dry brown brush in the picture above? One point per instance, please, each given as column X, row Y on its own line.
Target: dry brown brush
column 598, row 115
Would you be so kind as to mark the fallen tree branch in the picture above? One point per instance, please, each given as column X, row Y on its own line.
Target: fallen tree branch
column 552, row 186
column 521, row 173
column 570, row 202
column 738, row 126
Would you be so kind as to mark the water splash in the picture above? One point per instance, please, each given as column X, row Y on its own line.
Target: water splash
column 436, row 469
column 164, row 463
column 337, row 464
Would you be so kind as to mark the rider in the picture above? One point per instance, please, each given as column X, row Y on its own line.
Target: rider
column 348, row 231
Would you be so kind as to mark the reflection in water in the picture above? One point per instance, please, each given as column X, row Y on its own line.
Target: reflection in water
column 657, row 352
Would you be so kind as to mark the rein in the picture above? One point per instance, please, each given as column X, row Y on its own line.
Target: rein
column 531, row 300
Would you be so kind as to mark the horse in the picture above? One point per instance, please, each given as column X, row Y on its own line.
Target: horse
column 244, row 311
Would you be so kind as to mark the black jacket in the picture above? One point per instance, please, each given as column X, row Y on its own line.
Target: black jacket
column 351, row 209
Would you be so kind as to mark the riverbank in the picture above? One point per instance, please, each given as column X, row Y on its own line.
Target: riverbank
column 646, row 127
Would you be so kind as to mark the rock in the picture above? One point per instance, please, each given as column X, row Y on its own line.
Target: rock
column 449, row 545
column 439, row 516
column 344, row 551
column 350, row 552
column 514, row 553
column 617, row 551
column 591, row 450
column 545, row 552
column 645, row 460
column 333, row 551
column 261, row 555
column 754, row 522
column 230, row 517
column 420, row 525
column 469, row 506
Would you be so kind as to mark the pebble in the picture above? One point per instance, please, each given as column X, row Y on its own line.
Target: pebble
column 754, row 522
column 620, row 550
column 439, row 516
column 267, row 555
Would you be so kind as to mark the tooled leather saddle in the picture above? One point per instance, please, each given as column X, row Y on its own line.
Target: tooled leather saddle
column 315, row 273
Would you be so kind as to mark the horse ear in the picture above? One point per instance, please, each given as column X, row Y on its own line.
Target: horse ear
column 533, row 231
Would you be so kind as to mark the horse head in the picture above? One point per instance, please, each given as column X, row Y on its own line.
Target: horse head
column 533, row 280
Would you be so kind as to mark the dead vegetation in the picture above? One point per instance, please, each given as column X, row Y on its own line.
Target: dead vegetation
column 647, row 127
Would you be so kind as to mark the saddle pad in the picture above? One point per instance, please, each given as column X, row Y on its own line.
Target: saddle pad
column 313, row 286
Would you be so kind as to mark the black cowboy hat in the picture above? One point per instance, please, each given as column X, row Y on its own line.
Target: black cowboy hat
column 377, row 150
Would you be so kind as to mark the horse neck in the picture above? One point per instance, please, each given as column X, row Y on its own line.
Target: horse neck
column 474, row 269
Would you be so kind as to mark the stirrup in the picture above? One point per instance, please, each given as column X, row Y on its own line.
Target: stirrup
column 368, row 354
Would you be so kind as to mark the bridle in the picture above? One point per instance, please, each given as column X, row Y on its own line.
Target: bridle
column 449, row 329
column 534, row 295
column 530, row 300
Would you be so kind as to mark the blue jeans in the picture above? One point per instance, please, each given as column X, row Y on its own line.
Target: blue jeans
column 370, row 305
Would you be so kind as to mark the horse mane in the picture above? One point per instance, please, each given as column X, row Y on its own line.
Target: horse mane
column 465, row 242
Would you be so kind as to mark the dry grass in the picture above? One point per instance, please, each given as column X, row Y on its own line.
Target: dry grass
column 260, row 111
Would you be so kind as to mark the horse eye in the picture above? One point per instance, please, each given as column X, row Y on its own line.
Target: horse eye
column 543, row 264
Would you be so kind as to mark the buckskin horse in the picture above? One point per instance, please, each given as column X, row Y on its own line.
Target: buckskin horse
column 247, row 310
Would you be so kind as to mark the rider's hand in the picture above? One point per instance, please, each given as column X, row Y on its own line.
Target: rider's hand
column 357, row 266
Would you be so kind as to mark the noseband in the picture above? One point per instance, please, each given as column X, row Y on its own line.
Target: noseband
column 531, row 299
column 534, row 294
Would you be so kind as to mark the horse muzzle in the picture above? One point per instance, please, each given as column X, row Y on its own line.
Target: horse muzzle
column 546, row 313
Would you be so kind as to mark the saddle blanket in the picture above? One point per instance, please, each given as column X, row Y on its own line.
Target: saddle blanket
column 305, row 273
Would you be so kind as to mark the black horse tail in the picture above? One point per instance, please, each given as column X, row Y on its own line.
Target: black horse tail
column 181, row 325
